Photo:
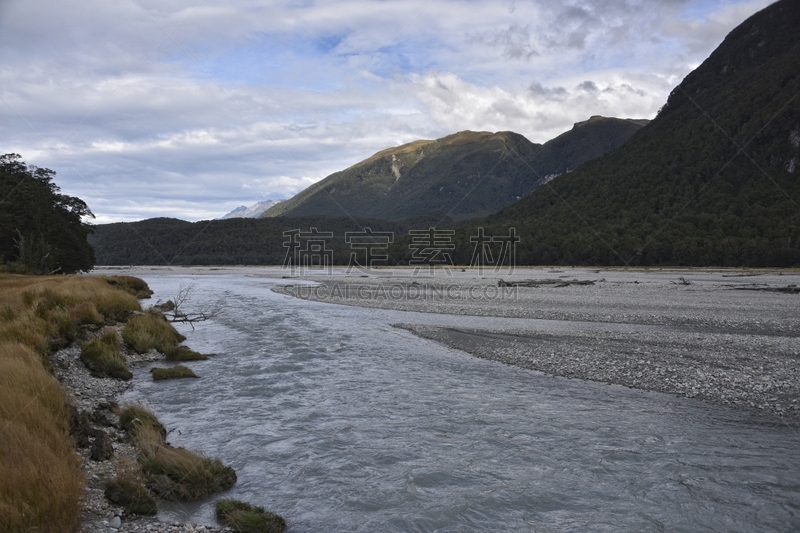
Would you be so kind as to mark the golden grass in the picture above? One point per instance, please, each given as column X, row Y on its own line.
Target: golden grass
column 41, row 483
column 150, row 330
column 40, row 478
column 134, row 418
column 47, row 312
column 135, row 286
column 103, row 358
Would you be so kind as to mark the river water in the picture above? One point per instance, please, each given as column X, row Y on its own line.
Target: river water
column 340, row 422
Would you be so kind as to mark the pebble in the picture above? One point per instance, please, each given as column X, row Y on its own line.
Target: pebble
column 87, row 393
column 706, row 341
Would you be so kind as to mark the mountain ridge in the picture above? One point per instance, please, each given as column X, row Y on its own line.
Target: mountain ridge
column 466, row 174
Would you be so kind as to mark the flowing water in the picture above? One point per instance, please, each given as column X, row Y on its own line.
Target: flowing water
column 340, row 422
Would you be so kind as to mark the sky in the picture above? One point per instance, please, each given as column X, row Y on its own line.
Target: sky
column 190, row 108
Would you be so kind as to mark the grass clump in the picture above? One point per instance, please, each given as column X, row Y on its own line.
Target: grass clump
column 103, row 358
column 174, row 473
column 243, row 517
column 133, row 286
column 149, row 330
column 182, row 353
column 41, row 483
column 135, row 417
column 174, row 372
column 127, row 490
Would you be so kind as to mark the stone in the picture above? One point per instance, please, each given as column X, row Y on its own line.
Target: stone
column 102, row 449
column 116, row 522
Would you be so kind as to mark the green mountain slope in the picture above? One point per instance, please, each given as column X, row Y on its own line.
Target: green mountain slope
column 466, row 175
column 712, row 180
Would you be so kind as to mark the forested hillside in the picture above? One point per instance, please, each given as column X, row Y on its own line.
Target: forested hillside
column 41, row 230
column 713, row 180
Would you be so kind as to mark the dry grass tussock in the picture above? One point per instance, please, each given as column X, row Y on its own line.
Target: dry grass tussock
column 103, row 358
column 47, row 313
column 174, row 473
column 128, row 490
column 151, row 330
column 243, row 517
column 40, row 478
column 173, row 372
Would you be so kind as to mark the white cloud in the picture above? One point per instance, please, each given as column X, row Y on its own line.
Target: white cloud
column 254, row 100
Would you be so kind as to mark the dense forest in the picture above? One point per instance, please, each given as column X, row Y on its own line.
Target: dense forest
column 713, row 180
column 41, row 230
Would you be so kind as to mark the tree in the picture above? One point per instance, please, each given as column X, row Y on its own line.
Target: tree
column 41, row 230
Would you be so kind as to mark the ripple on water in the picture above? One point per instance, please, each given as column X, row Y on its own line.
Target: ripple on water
column 341, row 423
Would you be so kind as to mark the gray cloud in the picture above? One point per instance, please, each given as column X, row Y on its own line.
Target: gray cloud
column 258, row 99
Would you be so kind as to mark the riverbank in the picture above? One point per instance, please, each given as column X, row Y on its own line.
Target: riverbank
column 728, row 337
column 60, row 436
column 96, row 397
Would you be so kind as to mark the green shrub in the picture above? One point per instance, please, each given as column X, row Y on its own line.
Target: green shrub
column 245, row 518
column 135, row 417
column 102, row 357
column 173, row 372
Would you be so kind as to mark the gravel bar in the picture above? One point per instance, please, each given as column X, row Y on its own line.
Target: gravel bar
column 729, row 337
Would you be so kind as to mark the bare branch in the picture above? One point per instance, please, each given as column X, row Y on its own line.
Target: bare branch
column 174, row 311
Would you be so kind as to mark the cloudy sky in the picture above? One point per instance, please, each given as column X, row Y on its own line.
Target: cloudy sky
column 189, row 108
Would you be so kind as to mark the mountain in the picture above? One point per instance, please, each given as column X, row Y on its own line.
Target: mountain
column 712, row 180
column 254, row 211
column 465, row 175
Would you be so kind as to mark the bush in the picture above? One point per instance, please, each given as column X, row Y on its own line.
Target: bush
column 245, row 518
column 103, row 358
column 147, row 331
column 174, row 372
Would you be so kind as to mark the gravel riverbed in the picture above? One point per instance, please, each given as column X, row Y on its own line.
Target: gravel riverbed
column 729, row 337
column 107, row 444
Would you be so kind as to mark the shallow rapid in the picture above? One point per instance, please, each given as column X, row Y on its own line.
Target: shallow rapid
column 340, row 422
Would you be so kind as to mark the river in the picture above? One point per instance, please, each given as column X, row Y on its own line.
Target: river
column 339, row 421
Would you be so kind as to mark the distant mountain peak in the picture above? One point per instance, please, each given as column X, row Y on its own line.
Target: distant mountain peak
column 254, row 211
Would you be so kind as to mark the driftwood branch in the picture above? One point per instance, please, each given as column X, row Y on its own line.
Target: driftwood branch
column 174, row 311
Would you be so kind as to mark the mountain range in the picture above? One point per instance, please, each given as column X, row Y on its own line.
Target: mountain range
column 466, row 175
column 712, row 180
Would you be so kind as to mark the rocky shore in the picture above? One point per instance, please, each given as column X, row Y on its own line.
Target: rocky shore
column 102, row 444
column 726, row 337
